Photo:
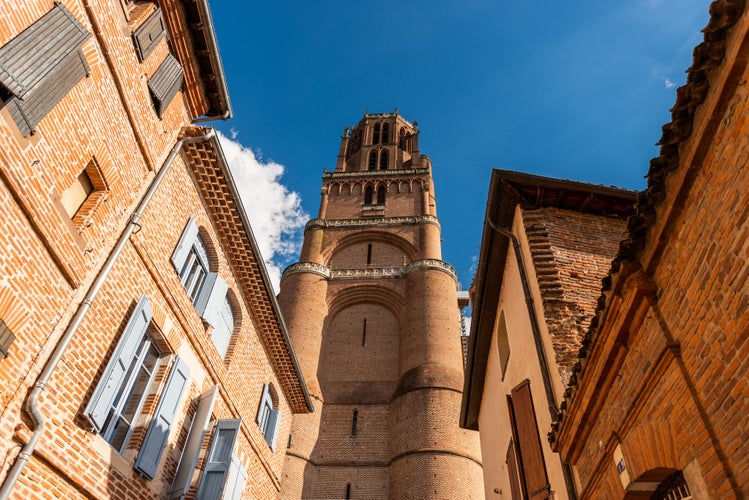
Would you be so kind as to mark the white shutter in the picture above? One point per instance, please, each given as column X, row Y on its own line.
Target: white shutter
column 114, row 374
column 147, row 461
column 237, row 478
column 191, row 451
column 185, row 242
column 211, row 299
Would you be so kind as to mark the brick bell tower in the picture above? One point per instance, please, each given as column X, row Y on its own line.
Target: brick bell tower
column 372, row 311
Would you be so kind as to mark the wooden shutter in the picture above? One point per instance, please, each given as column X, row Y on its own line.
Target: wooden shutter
column 191, row 451
column 31, row 56
column 165, row 82
column 116, row 370
column 211, row 299
column 237, row 478
column 147, row 461
column 149, row 34
column 532, row 462
column 512, row 469
column 185, row 243
column 218, row 460
column 41, row 65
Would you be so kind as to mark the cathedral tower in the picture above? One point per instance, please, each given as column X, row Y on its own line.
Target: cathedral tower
column 372, row 311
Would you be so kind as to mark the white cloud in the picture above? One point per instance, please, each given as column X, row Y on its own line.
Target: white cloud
column 667, row 82
column 275, row 212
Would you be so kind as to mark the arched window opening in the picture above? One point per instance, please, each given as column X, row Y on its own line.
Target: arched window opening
column 268, row 415
column 376, row 134
column 384, row 159
column 385, row 137
column 221, row 334
column 373, row 160
column 381, row 195
column 354, row 419
column 674, row 487
column 368, row 195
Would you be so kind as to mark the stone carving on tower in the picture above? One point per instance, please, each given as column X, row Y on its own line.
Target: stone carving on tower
column 372, row 311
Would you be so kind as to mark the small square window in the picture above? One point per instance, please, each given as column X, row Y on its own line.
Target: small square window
column 84, row 195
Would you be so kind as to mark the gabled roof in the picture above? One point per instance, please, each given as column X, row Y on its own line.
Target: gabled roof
column 508, row 189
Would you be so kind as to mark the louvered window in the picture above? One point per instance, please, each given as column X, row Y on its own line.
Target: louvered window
column 149, row 34
column 41, row 65
column 165, row 83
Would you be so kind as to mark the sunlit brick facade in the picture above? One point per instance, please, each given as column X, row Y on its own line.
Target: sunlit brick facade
column 138, row 328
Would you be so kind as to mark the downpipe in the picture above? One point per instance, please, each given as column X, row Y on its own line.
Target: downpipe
column 537, row 340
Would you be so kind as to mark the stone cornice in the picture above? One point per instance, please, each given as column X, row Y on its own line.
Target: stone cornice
column 375, row 173
column 370, row 222
column 370, row 272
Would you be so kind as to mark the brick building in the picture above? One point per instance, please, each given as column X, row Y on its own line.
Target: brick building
column 142, row 353
column 546, row 245
column 373, row 313
column 658, row 403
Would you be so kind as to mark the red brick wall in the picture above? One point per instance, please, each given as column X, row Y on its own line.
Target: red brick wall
column 572, row 253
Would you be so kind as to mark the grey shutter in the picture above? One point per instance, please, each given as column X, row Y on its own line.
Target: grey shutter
column 194, row 442
column 41, row 65
column 185, row 243
column 237, row 478
column 261, row 408
column 116, row 370
column 271, row 431
column 29, row 58
column 218, row 460
column 147, row 461
column 211, row 299
column 149, row 34
column 165, row 82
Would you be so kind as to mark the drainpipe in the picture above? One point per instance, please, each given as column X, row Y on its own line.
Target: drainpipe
column 209, row 118
column 37, row 417
column 545, row 374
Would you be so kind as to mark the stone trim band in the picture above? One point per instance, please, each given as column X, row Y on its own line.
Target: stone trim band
column 376, row 272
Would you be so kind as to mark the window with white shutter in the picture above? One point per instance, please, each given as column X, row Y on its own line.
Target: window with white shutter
column 119, row 395
column 218, row 460
column 268, row 417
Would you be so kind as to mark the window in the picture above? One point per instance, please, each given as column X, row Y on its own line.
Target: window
column 268, row 416
column 6, row 339
column 206, row 289
column 376, row 134
column 385, row 137
column 372, row 160
column 383, row 159
column 381, row 195
column 87, row 192
column 165, row 83
column 218, row 462
column 503, row 344
column 236, row 480
column 41, row 65
column 369, row 253
column 368, row 195
column 348, row 491
column 127, row 381
column 73, row 197
column 354, row 418
column 364, row 333
column 149, row 34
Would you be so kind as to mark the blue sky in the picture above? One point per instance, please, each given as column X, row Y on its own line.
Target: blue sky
column 575, row 90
